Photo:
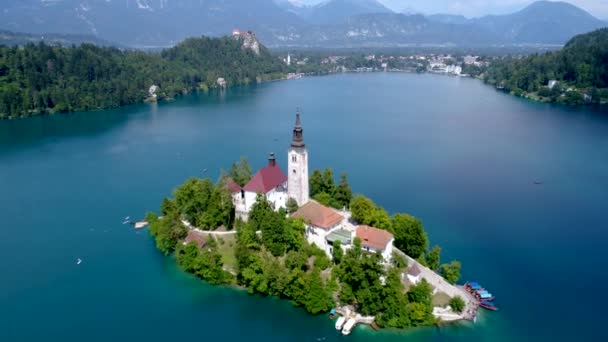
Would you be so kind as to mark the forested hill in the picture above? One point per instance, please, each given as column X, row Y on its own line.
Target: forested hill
column 581, row 69
column 37, row 79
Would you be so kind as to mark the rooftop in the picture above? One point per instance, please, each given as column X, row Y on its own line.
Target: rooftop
column 231, row 185
column 342, row 235
column 197, row 237
column 414, row 270
column 318, row 215
column 266, row 179
column 374, row 238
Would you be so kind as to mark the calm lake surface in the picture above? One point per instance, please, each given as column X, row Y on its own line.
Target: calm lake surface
column 450, row 151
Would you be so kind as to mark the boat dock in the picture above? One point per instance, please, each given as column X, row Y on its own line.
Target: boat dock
column 349, row 319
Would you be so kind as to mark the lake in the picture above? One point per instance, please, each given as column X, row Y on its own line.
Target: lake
column 451, row 151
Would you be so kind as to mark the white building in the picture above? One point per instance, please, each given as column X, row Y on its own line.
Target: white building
column 271, row 182
column 323, row 226
column 374, row 240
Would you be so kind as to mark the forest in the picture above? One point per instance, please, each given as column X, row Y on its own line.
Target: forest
column 272, row 257
column 580, row 70
column 39, row 78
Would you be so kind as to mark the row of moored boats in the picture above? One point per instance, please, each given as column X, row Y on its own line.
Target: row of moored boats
column 484, row 297
column 345, row 325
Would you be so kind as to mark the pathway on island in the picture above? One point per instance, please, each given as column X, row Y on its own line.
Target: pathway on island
column 442, row 285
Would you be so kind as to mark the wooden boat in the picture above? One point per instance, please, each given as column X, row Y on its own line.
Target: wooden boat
column 340, row 322
column 488, row 305
column 348, row 327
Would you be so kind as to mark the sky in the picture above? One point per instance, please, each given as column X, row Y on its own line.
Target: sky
column 476, row 8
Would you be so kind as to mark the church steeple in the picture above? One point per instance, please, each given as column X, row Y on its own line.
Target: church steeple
column 298, row 136
column 297, row 179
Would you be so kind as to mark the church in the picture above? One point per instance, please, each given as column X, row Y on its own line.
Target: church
column 273, row 183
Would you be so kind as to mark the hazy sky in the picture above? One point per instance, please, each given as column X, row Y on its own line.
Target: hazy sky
column 472, row 8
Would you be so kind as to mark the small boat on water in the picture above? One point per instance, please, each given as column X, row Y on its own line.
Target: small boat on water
column 79, row 261
column 348, row 327
column 488, row 305
column 484, row 297
column 340, row 322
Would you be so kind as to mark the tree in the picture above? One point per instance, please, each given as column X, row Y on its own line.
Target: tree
column 457, row 304
column 433, row 258
column 167, row 232
column 315, row 182
column 399, row 261
column 240, row 171
column 318, row 299
column 292, row 205
column 337, row 252
column 323, row 198
column 410, row 236
column 451, row 271
column 328, row 186
column 343, row 193
column 362, row 208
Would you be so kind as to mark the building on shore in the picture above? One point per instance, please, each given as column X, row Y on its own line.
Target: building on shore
column 321, row 222
column 376, row 240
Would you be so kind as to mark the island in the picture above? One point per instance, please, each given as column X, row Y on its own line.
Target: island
column 310, row 241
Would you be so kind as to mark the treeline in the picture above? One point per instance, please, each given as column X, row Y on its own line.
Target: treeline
column 39, row 78
column 324, row 189
column 581, row 69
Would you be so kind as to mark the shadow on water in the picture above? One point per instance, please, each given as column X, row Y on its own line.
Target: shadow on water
column 24, row 132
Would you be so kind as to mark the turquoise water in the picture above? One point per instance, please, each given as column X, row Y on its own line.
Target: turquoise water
column 451, row 151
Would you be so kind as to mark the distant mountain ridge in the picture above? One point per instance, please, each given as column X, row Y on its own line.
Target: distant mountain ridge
column 334, row 23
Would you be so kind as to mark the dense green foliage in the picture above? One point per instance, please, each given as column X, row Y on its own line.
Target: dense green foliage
column 279, row 262
column 581, row 68
column 324, row 189
column 451, row 271
column 457, row 304
column 433, row 258
column 360, row 274
column 41, row 78
column 167, row 231
column 205, row 263
column 204, row 204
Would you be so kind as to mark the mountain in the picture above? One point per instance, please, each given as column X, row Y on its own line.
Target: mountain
column 544, row 22
column 448, row 19
column 392, row 29
column 14, row 38
column 337, row 11
column 147, row 22
column 334, row 23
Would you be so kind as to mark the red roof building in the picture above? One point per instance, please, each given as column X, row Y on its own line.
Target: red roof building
column 374, row 238
column 318, row 215
column 267, row 178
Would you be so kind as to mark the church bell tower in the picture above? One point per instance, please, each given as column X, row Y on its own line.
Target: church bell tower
column 297, row 179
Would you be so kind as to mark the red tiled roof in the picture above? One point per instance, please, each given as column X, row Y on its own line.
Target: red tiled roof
column 266, row 179
column 374, row 238
column 231, row 185
column 318, row 215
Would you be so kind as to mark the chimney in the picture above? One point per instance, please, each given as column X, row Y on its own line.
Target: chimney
column 271, row 160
